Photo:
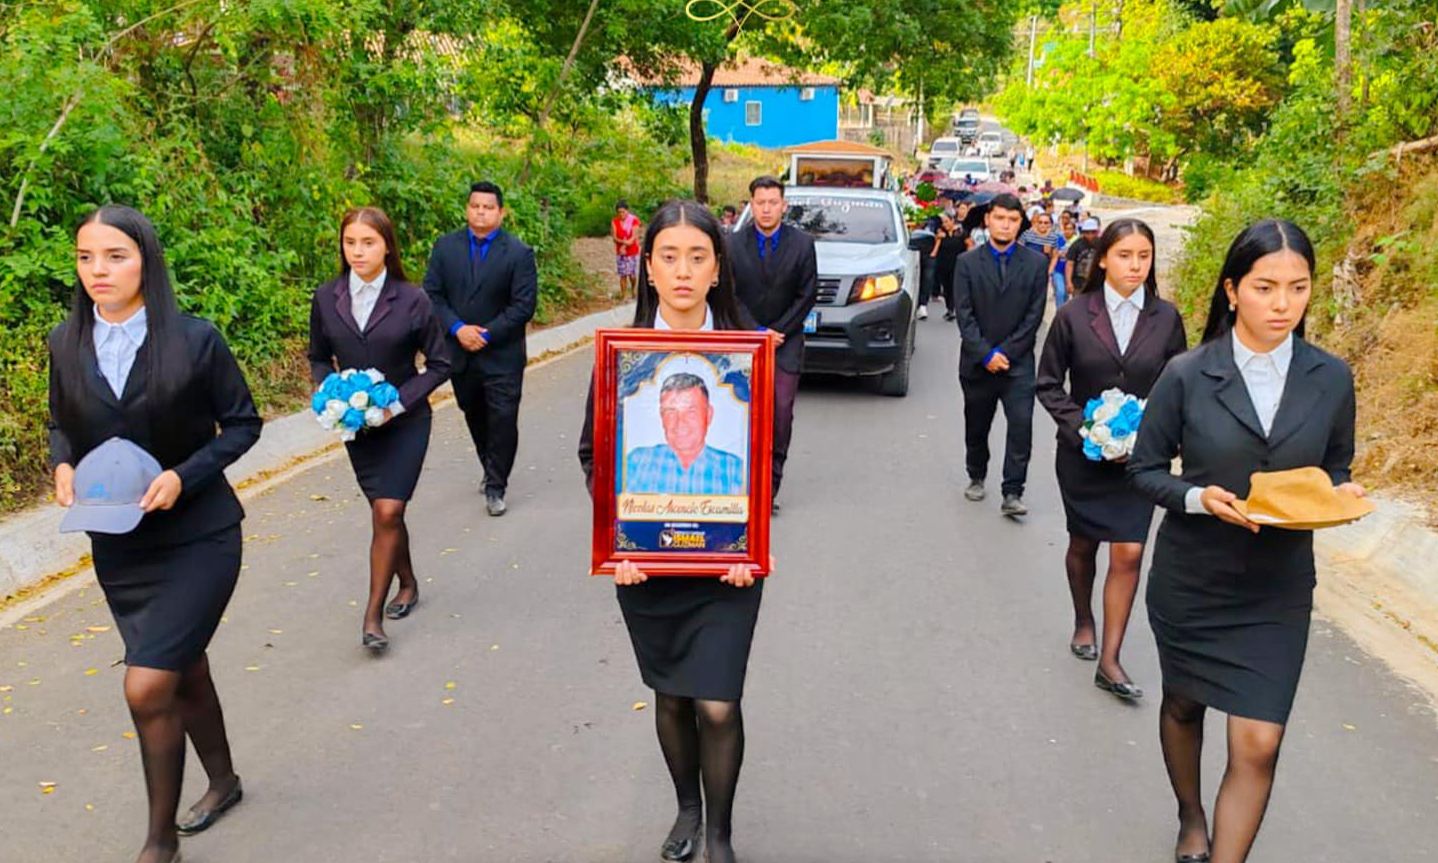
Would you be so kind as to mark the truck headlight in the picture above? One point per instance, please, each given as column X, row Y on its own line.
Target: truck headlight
column 873, row 287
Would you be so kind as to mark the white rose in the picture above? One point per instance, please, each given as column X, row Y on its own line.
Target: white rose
column 359, row 401
column 1100, row 434
column 1104, row 413
column 1114, row 450
column 375, row 375
column 374, row 417
column 334, row 409
column 1112, row 396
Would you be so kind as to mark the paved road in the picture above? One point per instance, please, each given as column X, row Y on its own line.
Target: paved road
column 911, row 697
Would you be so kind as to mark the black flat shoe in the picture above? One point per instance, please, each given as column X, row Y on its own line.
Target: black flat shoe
column 374, row 642
column 1125, row 691
column 400, row 610
column 1086, row 652
column 1191, row 858
column 200, row 820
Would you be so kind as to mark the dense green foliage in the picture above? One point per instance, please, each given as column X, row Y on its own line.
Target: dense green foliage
column 244, row 129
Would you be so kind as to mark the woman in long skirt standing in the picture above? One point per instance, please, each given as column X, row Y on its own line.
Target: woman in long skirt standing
column 126, row 364
column 371, row 317
column 691, row 636
column 1117, row 335
column 1230, row 601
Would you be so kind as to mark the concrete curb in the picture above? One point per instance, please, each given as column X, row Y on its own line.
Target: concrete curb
column 1394, row 541
column 33, row 552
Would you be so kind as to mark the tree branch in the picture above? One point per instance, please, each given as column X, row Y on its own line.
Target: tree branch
column 44, row 145
column 558, row 85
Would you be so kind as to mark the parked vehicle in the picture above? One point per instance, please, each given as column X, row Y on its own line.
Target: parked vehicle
column 863, row 322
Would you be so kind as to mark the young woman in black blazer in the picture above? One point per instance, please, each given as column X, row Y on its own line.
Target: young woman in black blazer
column 1117, row 334
column 1230, row 601
column 370, row 317
column 184, row 400
column 691, row 636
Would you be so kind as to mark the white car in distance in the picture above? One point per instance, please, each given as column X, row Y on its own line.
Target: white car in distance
column 958, row 168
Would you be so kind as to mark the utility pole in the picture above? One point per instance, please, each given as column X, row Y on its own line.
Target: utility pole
column 1033, row 39
column 1092, row 25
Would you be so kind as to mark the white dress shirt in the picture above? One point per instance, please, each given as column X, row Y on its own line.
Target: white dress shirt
column 661, row 324
column 1264, row 376
column 363, row 296
column 1123, row 313
column 116, row 346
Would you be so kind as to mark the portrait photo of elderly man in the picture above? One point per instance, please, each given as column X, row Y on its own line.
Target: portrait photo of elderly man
column 684, row 463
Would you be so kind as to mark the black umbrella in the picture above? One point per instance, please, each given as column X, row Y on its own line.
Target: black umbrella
column 1068, row 194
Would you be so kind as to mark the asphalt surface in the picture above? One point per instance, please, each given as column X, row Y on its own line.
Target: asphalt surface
column 910, row 695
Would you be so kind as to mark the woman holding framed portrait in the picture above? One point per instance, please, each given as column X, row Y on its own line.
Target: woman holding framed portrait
column 691, row 635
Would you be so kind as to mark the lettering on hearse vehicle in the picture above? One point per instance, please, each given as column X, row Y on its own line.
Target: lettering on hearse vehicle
column 843, row 205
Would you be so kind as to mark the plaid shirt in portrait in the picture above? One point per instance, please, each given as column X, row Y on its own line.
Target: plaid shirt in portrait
column 656, row 470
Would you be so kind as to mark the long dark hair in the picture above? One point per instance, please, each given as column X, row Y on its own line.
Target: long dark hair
column 1117, row 230
column 167, row 366
column 375, row 218
column 1256, row 241
column 722, row 298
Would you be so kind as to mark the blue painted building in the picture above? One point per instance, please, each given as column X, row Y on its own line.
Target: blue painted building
column 755, row 102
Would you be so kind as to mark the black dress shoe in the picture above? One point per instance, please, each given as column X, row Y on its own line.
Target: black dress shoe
column 199, row 820
column 400, row 610
column 1125, row 691
column 1086, row 652
column 374, row 642
column 681, row 849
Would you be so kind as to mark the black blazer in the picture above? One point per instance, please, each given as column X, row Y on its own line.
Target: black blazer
column 780, row 290
column 1200, row 410
column 999, row 315
column 181, row 435
column 499, row 293
column 402, row 324
column 1081, row 348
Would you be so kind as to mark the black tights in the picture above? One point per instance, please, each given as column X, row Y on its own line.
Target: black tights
column 704, row 740
column 1119, row 589
column 388, row 557
column 166, row 706
column 1247, row 782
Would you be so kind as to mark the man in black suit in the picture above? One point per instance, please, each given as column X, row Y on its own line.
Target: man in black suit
column 1000, row 289
column 484, row 285
column 777, row 277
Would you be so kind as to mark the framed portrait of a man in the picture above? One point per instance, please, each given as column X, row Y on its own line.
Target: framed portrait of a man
column 683, row 433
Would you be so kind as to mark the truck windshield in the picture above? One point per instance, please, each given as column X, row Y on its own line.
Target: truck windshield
column 843, row 220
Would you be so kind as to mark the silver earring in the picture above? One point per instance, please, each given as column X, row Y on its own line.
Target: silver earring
column 1232, row 307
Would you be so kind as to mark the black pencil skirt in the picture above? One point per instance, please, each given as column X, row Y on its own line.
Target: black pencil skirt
column 168, row 600
column 1098, row 501
column 691, row 636
column 387, row 460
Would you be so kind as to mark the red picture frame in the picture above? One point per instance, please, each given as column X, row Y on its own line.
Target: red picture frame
column 627, row 364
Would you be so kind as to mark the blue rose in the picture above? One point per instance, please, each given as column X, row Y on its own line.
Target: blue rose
column 318, row 401
column 383, row 394
column 1092, row 451
column 331, row 385
column 353, row 419
column 361, row 381
column 1090, row 408
column 1120, row 426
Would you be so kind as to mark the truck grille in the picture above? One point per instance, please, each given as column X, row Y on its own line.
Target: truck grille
column 828, row 292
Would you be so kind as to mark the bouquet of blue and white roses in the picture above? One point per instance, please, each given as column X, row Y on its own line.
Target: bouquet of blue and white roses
column 1110, row 425
column 352, row 400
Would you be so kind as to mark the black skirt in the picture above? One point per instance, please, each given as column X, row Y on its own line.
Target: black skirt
column 167, row 600
column 1232, row 638
column 387, row 460
column 691, row 636
column 1098, row 500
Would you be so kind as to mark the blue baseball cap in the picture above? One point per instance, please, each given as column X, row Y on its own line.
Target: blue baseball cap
column 109, row 483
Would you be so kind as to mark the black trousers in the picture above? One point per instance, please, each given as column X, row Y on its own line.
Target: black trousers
column 786, row 389
column 490, row 402
column 928, row 273
column 982, row 396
